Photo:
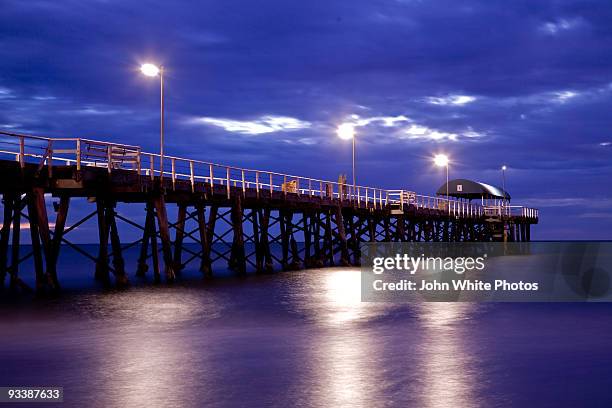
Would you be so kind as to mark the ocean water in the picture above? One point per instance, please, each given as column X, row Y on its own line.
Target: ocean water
column 300, row 338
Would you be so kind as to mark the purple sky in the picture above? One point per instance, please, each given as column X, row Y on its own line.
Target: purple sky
column 266, row 83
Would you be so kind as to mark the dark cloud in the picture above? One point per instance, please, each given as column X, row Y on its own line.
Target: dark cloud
column 539, row 73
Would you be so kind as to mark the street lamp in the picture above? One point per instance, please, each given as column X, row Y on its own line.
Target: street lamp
column 152, row 70
column 441, row 160
column 503, row 169
column 346, row 131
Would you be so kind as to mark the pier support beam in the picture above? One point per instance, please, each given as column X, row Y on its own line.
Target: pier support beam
column 306, row 227
column 107, row 228
column 41, row 282
column 282, row 217
column 296, row 262
column 159, row 203
column 60, row 224
column 210, row 231
column 8, row 201
column 264, row 241
column 14, row 270
column 178, row 237
column 315, row 223
column 527, row 232
column 371, row 229
column 102, row 272
column 328, row 240
column 259, row 258
column 121, row 279
column 238, row 256
column 205, row 240
column 147, row 233
column 342, row 242
column 41, row 241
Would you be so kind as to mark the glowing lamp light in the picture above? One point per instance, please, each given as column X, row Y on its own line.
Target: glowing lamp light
column 346, row 131
column 504, row 167
column 149, row 70
column 441, row 160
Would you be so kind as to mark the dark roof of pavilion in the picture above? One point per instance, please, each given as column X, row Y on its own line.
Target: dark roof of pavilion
column 470, row 189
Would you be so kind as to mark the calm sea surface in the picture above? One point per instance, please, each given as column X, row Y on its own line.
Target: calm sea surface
column 298, row 339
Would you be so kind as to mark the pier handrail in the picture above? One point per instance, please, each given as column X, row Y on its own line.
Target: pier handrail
column 88, row 152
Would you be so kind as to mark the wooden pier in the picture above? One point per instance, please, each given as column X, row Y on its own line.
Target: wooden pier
column 235, row 215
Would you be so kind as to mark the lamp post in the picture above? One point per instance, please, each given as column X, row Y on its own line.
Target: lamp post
column 347, row 131
column 441, row 160
column 503, row 169
column 152, row 70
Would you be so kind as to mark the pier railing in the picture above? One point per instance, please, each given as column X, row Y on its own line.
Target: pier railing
column 47, row 152
column 511, row 211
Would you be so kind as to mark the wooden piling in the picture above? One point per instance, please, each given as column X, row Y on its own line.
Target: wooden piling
column 14, row 271
column 38, row 195
column 353, row 241
column 295, row 255
column 306, row 227
column 60, row 224
column 387, row 229
column 142, row 267
column 238, row 251
column 315, row 221
column 102, row 272
column 210, row 232
column 205, row 264
column 155, row 253
column 329, row 240
column 259, row 257
column 121, row 279
column 37, row 255
column 413, row 227
column 511, row 232
column 179, row 235
column 264, row 242
column 372, row 229
column 284, row 239
column 400, row 229
column 8, row 201
column 164, row 231
column 446, row 233
column 527, row 232
column 344, row 253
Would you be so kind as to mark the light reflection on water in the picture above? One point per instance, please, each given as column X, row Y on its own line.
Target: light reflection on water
column 141, row 370
column 293, row 339
column 339, row 299
column 447, row 362
column 345, row 353
column 145, row 306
